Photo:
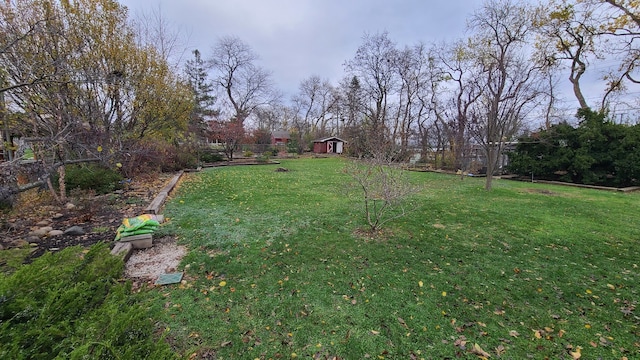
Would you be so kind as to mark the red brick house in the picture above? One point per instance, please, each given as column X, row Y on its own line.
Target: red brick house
column 280, row 138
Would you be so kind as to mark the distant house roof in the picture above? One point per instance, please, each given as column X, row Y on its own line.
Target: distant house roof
column 334, row 138
column 281, row 135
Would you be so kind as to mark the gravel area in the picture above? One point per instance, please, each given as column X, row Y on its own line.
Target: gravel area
column 161, row 258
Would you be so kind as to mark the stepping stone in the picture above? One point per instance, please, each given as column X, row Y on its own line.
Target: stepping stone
column 172, row 278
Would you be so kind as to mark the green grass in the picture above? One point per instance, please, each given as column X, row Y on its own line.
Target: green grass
column 12, row 259
column 277, row 270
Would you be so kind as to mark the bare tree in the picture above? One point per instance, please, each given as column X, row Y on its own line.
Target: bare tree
column 374, row 65
column 453, row 96
column 413, row 66
column 246, row 86
column 509, row 81
column 382, row 186
column 154, row 30
column 316, row 106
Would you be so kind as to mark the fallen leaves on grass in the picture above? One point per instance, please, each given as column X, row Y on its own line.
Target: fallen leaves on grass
column 477, row 350
column 403, row 323
column 575, row 355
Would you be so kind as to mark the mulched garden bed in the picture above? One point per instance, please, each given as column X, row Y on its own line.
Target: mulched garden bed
column 98, row 216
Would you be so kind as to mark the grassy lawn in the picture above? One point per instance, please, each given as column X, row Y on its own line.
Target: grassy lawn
column 276, row 270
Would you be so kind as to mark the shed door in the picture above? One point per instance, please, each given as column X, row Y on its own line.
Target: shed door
column 339, row 147
column 330, row 146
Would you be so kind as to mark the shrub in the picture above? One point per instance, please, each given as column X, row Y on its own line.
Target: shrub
column 596, row 152
column 70, row 305
column 150, row 156
column 92, row 177
column 248, row 153
column 209, row 156
column 140, row 157
column 383, row 188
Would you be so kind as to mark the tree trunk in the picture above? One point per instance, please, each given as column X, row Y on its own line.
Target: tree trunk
column 491, row 164
column 62, row 171
column 52, row 190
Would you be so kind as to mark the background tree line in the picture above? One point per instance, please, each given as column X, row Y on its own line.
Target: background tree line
column 87, row 81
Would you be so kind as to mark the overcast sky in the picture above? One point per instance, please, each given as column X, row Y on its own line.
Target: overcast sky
column 296, row 39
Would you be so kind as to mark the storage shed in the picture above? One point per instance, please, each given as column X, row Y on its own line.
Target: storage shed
column 330, row 145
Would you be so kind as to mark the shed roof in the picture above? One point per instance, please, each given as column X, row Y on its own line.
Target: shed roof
column 281, row 135
column 335, row 138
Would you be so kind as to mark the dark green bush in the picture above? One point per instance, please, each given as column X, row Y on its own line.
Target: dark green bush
column 596, row 152
column 70, row 305
column 210, row 156
column 92, row 177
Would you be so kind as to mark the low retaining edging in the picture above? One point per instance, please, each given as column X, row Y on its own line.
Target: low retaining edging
column 125, row 248
column 156, row 204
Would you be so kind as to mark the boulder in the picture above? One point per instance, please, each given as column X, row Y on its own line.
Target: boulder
column 75, row 231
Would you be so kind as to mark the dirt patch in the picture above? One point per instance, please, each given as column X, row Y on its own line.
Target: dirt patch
column 163, row 257
column 541, row 191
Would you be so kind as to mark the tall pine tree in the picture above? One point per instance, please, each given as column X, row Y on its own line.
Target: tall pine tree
column 203, row 98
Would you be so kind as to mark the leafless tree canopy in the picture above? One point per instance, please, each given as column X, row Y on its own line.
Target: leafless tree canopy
column 246, row 86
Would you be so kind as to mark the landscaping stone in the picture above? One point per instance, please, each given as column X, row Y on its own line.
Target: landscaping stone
column 57, row 216
column 75, row 231
column 69, row 206
column 43, row 223
column 32, row 239
column 55, row 232
column 43, row 231
column 20, row 243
